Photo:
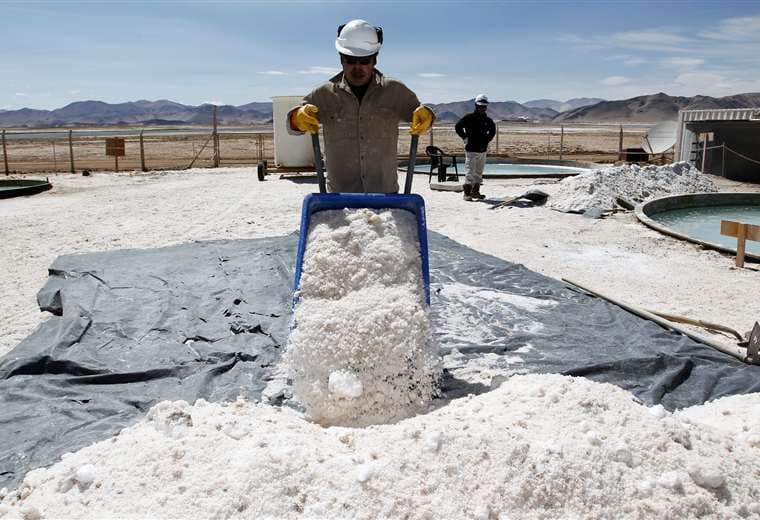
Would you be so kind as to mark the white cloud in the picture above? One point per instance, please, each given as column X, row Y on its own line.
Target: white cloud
column 627, row 59
column 273, row 72
column 683, row 62
column 745, row 28
column 74, row 91
column 431, row 75
column 22, row 94
column 213, row 102
column 320, row 70
column 712, row 83
column 660, row 40
column 634, row 60
column 664, row 39
column 615, row 81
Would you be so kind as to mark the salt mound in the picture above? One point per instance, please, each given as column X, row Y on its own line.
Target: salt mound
column 362, row 350
column 599, row 188
column 537, row 447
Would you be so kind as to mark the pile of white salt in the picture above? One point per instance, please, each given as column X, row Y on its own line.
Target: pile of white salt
column 537, row 447
column 361, row 349
column 600, row 188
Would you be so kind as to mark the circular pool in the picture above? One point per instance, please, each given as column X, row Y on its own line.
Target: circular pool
column 697, row 218
column 501, row 168
column 18, row 188
column 530, row 170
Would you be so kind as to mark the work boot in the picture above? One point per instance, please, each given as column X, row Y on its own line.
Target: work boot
column 475, row 193
column 467, row 191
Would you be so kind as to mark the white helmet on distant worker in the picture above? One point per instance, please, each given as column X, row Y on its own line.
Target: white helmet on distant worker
column 482, row 100
column 359, row 38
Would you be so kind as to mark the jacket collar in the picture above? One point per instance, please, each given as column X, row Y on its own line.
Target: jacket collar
column 378, row 79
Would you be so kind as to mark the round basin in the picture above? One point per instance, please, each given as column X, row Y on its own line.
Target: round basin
column 500, row 168
column 18, row 188
column 697, row 218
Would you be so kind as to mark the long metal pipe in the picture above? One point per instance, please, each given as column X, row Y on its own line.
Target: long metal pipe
column 318, row 164
column 410, row 166
column 735, row 351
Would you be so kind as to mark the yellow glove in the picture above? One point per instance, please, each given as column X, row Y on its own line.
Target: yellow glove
column 305, row 119
column 422, row 120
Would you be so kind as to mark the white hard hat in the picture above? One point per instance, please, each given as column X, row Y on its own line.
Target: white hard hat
column 482, row 100
column 359, row 38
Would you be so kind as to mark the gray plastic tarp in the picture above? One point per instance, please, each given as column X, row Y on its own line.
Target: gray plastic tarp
column 210, row 320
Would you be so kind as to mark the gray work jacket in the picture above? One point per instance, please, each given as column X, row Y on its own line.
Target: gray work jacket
column 361, row 139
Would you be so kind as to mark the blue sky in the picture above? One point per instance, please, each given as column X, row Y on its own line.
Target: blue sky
column 237, row 52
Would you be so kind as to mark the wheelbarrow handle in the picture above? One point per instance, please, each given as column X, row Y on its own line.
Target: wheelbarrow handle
column 410, row 166
column 318, row 163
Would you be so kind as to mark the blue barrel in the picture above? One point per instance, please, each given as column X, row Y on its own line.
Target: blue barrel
column 315, row 202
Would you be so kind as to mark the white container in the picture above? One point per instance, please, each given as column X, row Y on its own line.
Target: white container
column 290, row 151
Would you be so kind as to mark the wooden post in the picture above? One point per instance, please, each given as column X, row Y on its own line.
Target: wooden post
column 741, row 244
column 561, row 141
column 216, row 142
column 142, row 153
column 742, row 232
column 620, row 144
column 71, row 152
column 55, row 161
column 432, row 137
column 5, row 156
column 116, row 166
column 548, row 145
column 704, row 153
column 497, row 137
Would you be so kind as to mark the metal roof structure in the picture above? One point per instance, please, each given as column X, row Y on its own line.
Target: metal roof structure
column 684, row 141
column 720, row 114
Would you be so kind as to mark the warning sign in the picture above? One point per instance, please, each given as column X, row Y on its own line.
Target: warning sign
column 115, row 147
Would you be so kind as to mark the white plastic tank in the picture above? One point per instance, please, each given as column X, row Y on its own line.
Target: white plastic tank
column 290, row 151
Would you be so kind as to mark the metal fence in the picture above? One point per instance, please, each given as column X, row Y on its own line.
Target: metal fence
column 79, row 150
column 84, row 149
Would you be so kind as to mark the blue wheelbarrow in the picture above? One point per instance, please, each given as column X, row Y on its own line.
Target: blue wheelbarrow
column 315, row 202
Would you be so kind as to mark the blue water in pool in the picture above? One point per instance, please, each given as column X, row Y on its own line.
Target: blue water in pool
column 704, row 222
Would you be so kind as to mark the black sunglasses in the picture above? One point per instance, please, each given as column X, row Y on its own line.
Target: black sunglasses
column 353, row 60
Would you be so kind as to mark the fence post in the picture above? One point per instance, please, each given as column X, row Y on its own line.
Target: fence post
column 548, row 145
column 620, row 144
column 216, row 142
column 55, row 161
column 497, row 137
column 142, row 153
column 5, row 156
column 723, row 160
column 561, row 141
column 432, row 131
column 71, row 152
column 704, row 153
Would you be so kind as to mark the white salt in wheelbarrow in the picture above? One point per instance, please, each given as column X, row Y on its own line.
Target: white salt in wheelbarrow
column 315, row 202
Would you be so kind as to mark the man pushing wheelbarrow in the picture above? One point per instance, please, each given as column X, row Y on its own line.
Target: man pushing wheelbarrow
column 360, row 109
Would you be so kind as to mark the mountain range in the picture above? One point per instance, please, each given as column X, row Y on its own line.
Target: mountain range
column 562, row 106
column 641, row 109
column 654, row 108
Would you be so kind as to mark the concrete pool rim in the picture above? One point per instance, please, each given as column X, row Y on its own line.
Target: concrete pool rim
column 586, row 165
column 645, row 211
column 22, row 187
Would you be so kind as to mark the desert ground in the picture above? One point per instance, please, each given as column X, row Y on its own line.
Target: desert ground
column 540, row 446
